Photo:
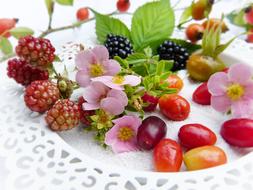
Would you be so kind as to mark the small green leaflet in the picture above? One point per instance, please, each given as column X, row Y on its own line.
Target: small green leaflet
column 5, row 46
column 186, row 15
column 19, row 32
column 152, row 23
column 107, row 25
column 65, row 2
column 237, row 18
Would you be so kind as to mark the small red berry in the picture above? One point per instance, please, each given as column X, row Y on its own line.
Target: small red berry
column 36, row 51
column 194, row 32
column 123, row 5
column 41, row 95
column 24, row 73
column 64, row 115
column 249, row 15
column 152, row 102
column 5, row 25
column 82, row 14
column 250, row 36
column 201, row 95
column 84, row 115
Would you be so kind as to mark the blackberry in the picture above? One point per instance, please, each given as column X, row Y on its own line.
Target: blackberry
column 118, row 46
column 169, row 50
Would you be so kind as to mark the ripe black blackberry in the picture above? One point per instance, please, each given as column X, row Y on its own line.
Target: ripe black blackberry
column 169, row 50
column 118, row 46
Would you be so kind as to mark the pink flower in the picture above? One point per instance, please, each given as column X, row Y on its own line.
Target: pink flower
column 97, row 96
column 233, row 90
column 94, row 63
column 122, row 136
column 118, row 82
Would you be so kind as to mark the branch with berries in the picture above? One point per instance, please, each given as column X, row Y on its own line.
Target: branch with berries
column 8, row 26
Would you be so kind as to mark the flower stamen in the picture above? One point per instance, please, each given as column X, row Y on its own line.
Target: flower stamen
column 96, row 70
column 125, row 133
column 235, row 92
column 118, row 79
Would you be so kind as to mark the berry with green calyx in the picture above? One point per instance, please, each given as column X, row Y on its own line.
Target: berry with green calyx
column 202, row 64
column 201, row 9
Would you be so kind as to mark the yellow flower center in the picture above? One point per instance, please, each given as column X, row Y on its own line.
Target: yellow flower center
column 118, row 79
column 235, row 92
column 96, row 70
column 125, row 133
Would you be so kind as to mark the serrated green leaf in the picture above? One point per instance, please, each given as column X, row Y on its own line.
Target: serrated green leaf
column 160, row 67
column 191, row 48
column 107, row 25
column 123, row 63
column 5, row 46
column 187, row 13
column 152, row 23
column 50, row 6
column 65, row 2
column 57, row 58
column 20, row 32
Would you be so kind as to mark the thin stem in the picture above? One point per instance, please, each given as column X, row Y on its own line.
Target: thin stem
column 74, row 25
column 182, row 23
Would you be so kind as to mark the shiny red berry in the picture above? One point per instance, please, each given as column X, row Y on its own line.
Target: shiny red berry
column 123, row 5
column 5, row 25
column 250, row 36
column 194, row 32
column 249, row 15
column 151, row 102
column 82, row 14
column 201, row 95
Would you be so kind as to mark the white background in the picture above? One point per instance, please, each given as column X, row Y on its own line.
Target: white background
column 33, row 14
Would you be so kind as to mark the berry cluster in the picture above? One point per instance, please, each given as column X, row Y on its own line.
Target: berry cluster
column 171, row 51
column 118, row 46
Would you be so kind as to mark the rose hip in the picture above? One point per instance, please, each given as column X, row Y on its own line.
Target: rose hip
column 201, row 95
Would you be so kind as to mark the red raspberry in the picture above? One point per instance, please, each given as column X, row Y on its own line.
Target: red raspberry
column 84, row 115
column 123, row 5
column 64, row 115
column 152, row 102
column 24, row 73
column 41, row 95
column 36, row 51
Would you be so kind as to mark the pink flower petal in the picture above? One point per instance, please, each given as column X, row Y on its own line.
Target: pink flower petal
column 242, row 109
column 120, row 147
column 101, row 53
column 111, row 135
column 82, row 78
column 217, row 84
column 119, row 95
column 83, row 59
column 94, row 92
column 112, row 106
column 128, row 120
column 240, row 73
column 249, row 91
column 112, row 67
column 90, row 106
column 107, row 80
column 220, row 103
column 132, row 80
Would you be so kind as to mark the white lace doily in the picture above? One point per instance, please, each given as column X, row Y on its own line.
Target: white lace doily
column 39, row 159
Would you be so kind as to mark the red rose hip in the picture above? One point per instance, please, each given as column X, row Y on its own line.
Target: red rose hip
column 201, row 95
column 174, row 107
column 168, row 156
column 151, row 131
column 238, row 132
column 196, row 135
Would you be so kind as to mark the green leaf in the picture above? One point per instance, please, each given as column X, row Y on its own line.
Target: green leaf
column 65, row 2
column 136, row 58
column 191, row 48
column 57, row 58
column 20, row 32
column 237, row 18
column 123, row 63
column 152, row 23
column 5, row 46
column 160, row 67
column 107, row 25
column 50, row 6
column 186, row 15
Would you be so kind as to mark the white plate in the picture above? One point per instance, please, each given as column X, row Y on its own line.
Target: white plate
column 38, row 158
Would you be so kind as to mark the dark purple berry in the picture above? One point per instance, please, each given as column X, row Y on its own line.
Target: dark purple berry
column 151, row 131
